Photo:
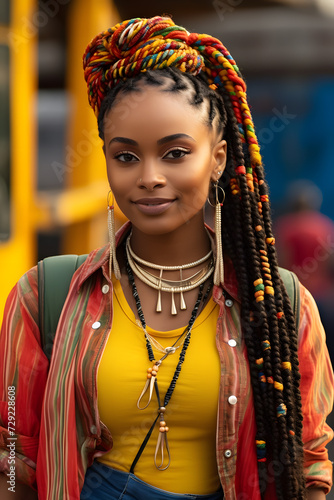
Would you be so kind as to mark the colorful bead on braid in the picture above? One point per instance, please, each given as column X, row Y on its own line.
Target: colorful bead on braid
column 259, row 290
column 270, row 241
column 250, row 182
column 262, row 377
column 259, row 363
column 240, row 170
column 235, row 189
column 265, row 345
column 266, row 266
column 263, row 380
column 278, row 386
column 260, row 207
column 261, row 450
column 269, row 289
column 281, row 410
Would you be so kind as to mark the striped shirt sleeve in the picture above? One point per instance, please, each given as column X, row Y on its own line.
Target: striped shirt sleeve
column 24, row 368
column 317, row 386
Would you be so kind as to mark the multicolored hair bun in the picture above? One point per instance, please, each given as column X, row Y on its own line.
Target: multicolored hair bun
column 140, row 44
column 134, row 46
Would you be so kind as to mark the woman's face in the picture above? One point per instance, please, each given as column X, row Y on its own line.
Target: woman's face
column 161, row 156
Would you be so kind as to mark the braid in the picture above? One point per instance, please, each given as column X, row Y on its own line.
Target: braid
column 154, row 51
column 278, row 338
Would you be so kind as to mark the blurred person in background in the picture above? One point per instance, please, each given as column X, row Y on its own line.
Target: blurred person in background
column 305, row 245
column 177, row 370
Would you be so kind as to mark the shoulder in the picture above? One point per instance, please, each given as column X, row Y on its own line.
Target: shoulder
column 309, row 313
column 21, row 308
column 25, row 292
column 311, row 333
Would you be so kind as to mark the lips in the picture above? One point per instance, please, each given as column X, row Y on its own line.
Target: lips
column 153, row 206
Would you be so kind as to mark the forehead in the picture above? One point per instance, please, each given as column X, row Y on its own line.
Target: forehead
column 156, row 109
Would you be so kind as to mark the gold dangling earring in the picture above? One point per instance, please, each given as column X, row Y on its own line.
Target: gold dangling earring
column 218, row 277
column 113, row 264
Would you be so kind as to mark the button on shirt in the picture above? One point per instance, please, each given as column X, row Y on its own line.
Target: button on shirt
column 66, row 390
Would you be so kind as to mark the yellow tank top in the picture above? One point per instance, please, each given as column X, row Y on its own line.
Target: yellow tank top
column 191, row 414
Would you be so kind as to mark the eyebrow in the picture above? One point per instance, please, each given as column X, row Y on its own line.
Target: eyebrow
column 124, row 140
column 172, row 137
column 164, row 140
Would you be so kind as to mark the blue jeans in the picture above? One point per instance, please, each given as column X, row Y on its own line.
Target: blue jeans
column 104, row 483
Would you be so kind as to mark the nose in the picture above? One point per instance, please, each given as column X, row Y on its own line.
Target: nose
column 151, row 177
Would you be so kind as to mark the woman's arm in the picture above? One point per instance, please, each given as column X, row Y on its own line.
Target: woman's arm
column 22, row 492
column 315, row 494
column 23, row 375
column 316, row 385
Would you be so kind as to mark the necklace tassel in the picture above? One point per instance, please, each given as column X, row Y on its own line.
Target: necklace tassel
column 159, row 308
column 173, row 310
column 162, row 444
column 183, row 304
column 151, row 376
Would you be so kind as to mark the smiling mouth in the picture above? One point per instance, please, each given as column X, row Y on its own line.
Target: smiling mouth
column 154, row 206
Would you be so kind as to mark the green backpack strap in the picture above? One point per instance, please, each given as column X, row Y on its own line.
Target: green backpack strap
column 291, row 284
column 54, row 278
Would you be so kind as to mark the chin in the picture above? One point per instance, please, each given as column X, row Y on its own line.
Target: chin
column 156, row 227
column 160, row 227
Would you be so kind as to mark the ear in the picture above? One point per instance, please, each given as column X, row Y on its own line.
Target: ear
column 219, row 160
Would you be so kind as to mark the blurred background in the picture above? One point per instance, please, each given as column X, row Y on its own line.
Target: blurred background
column 53, row 187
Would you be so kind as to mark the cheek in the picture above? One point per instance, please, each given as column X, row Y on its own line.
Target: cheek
column 119, row 179
column 120, row 191
column 118, row 188
column 109, row 173
column 195, row 191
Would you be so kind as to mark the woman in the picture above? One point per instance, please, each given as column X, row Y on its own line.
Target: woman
column 175, row 372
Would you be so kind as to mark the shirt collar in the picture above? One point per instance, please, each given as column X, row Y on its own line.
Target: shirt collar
column 100, row 259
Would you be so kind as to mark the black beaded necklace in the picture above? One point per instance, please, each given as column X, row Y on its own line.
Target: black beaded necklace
column 152, row 382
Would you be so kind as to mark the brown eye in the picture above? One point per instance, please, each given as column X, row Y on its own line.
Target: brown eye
column 126, row 157
column 177, row 153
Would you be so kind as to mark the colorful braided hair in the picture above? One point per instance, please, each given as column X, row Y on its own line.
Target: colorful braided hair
column 135, row 50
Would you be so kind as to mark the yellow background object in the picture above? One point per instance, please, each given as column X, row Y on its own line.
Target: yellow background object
column 80, row 208
column 18, row 253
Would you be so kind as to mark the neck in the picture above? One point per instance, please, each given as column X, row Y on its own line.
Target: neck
column 186, row 244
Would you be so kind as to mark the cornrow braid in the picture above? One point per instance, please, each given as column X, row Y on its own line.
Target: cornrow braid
column 180, row 82
column 154, row 51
